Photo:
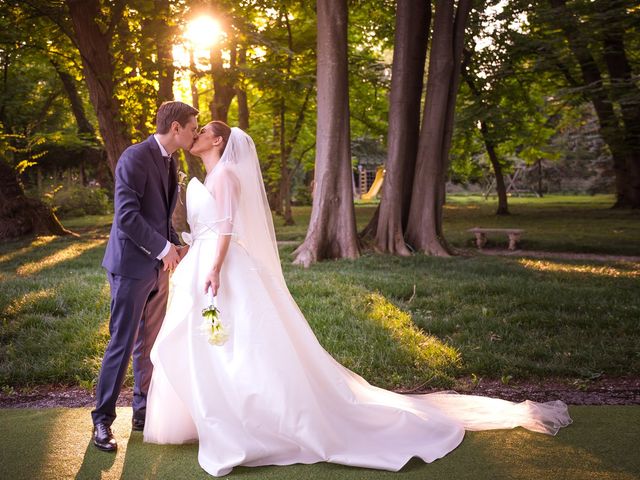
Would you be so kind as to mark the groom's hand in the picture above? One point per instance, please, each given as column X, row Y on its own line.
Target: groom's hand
column 182, row 251
column 170, row 260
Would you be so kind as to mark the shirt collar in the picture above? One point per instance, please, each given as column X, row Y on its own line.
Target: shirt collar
column 163, row 151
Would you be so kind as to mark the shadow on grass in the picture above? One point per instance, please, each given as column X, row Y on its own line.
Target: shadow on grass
column 95, row 463
column 48, row 253
column 144, row 460
column 13, row 250
column 61, row 256
column 26, row 436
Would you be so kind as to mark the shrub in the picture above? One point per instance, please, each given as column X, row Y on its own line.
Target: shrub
column 77, row 201
column 302, row 195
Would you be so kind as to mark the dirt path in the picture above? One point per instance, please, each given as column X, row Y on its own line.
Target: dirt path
column 614, row 391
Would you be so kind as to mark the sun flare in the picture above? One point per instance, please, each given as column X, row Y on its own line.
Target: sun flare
column 203, row 32
column 192, row 54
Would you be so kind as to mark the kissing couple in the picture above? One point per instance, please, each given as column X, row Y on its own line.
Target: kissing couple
column 266, row 392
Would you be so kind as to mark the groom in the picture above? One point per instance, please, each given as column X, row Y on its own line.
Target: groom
column 140, row 254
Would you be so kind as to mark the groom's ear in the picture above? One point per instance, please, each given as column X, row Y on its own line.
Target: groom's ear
column 174, row 126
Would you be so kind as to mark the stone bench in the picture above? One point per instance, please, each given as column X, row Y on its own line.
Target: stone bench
column 481, row 235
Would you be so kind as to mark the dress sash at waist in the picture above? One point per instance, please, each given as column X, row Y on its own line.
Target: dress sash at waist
column 204, row 233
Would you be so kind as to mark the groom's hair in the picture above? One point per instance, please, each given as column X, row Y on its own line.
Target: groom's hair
column 170, row 112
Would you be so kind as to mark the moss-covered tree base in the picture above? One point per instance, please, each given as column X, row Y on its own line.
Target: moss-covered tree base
column 20, row 215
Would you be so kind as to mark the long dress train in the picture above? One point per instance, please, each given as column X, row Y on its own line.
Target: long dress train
column 271, row 395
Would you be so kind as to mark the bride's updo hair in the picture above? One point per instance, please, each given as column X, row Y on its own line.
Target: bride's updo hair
column 220, row 129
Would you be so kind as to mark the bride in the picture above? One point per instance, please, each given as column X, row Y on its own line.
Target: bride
column 271, row 395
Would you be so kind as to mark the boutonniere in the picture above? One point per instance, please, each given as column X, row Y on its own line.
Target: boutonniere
column 182, row 180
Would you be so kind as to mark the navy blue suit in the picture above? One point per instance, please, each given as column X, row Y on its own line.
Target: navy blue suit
column 145, row 197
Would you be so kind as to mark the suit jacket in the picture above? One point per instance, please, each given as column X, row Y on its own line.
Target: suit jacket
column 144, row 199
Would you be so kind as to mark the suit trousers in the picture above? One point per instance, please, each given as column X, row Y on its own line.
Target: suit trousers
column 138, row 307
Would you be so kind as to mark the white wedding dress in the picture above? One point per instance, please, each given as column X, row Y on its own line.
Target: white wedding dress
column 271, row 395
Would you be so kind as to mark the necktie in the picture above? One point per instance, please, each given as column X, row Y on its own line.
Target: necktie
column 170, row 177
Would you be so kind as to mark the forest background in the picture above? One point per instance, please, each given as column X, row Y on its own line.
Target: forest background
column 485, row 91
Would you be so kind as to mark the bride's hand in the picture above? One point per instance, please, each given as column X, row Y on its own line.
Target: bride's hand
column 212, row 281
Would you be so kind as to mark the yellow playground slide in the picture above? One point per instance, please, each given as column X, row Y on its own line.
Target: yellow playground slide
column 375, row 186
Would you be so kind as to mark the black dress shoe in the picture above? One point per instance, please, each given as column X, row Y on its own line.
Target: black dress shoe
column 137, row 424
column 103, row 438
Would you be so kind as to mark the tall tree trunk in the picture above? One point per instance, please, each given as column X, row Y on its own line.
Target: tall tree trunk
column 195, row 167
column 503, row 207
column 42, row 114
column 459, row 27
column 410, row 48
column 6, row 62
column 77, row 108
column 20, row 215
column 223, row 84
column 94, row 153
column 626, row 93
column 592, row 78
column 332, row 228
column 286, row 146
column 285, row 180
column 288, row 149
column 274, row 190
column 286, row 176
column 194, row 164
column 98, row 70
column 194, row 75
column 164, row 44
column 243, row 109
column 424, row 229
column 241, row 94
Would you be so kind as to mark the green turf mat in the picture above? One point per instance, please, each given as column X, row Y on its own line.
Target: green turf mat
column 602, row 443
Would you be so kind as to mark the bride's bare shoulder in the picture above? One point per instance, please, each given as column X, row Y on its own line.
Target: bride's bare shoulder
column 226, row 174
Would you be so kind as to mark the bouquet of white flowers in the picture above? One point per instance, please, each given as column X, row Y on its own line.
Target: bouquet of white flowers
column 212, row 326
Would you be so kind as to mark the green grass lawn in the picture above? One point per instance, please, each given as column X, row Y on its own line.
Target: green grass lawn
column 55, row 444
column 399, row 322
column 554, row 223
